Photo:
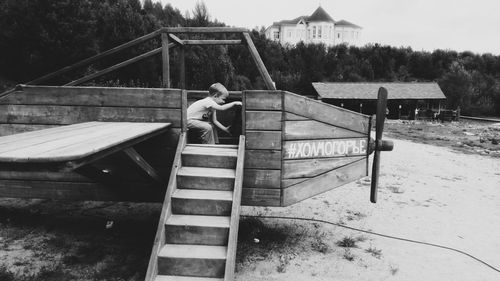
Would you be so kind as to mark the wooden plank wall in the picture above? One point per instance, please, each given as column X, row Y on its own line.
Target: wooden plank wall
column 37, row 107
column 262, row 126
column 310, row 121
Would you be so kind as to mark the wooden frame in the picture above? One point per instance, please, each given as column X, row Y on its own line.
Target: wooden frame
column 167, row 34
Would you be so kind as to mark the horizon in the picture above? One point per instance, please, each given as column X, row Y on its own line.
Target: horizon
column 469, row 27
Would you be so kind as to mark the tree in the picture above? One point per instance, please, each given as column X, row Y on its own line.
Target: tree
column 457, row 85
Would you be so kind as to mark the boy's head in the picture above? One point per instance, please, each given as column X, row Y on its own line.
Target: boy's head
column 218, row 92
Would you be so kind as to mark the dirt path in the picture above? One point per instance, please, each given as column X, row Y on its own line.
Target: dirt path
column 427, row 193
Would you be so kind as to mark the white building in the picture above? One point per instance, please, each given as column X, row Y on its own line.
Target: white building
column 316, row 28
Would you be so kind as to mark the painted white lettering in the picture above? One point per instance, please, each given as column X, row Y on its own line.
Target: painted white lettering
column 308, row 152
column 299, row 150
column 341, row 148
column 317, row 147
column 349, row 146
column 355, row 148
column 362, row 144
column 329, row 150
column 291, row 150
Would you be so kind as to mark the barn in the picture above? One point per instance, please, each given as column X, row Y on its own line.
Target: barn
column 404, row 99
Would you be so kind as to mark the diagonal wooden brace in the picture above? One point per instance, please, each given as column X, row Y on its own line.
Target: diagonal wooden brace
column 141, row 163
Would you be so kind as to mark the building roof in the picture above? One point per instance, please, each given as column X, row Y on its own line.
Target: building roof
column 368, row 91
column 346, row 23
column 320, row 15
column 294, row 21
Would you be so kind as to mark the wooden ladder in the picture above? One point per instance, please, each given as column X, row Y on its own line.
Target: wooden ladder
column 198, row 228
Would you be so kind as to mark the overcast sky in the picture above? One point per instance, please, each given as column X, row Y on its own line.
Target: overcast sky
column 421, row 24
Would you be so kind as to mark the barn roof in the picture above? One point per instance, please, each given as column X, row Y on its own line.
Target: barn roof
column 346, row 23
column 368, row 91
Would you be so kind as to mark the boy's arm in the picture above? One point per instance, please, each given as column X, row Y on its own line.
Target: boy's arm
column 218, row 124
column 225, row 106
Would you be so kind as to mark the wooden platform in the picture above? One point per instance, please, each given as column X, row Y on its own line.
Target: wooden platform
column 70, row 147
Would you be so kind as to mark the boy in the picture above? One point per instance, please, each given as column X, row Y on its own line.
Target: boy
column 202, row 114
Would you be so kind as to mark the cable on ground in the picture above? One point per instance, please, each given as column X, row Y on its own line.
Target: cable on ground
column 382, row 235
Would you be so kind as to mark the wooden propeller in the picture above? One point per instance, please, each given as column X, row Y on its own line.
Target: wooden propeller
column 380, row 145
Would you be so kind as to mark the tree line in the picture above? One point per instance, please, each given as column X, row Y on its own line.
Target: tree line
column 41, row 36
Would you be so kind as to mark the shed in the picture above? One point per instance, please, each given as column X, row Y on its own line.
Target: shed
column 404, row 97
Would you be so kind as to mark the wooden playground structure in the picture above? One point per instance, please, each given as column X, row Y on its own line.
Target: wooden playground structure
column 130, row 144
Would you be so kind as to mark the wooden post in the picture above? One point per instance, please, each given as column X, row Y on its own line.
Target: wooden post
column 165, row 60
column 182, row 68
column 184, row 111
column 243, row 113
column 258, row 61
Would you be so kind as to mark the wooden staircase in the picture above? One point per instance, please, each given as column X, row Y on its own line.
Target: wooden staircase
column 198, row 227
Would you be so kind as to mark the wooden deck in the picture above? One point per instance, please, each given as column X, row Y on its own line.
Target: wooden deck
column 75, row 142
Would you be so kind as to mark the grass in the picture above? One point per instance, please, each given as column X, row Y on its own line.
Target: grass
column 320, row 246
column 393, row 269
column 395, row 189
column 347, row 242
column 374, row 252
column 348, row 255
column 69, row 241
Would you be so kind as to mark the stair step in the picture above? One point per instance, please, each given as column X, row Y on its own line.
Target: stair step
column 214, row 145
column 209, row 156
column 202, row 202
column 185, row 278
column 205, row 178
column 199, row 230
column 192, row 260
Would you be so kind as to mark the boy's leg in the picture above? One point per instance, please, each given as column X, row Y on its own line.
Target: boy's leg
column 215, row 134
column 202, row 130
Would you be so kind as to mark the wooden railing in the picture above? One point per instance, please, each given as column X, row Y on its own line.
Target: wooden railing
column 166, row 211
column 167, row 35
column 235, row 213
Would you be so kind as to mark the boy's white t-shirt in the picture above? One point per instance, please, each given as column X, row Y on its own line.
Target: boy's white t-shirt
column 200, row 110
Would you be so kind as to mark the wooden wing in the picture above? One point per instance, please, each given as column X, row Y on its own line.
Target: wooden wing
column 323, row 147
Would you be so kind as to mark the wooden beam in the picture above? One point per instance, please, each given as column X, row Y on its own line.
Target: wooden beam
column 203, row 30
column 184, row 106
column 176, row 40
column 165, row 60
column 212, row 42
column 258, row 61
column 114, row 67
column 182, row 67
column 235, row 212
column 96, row 57
column 143, row 164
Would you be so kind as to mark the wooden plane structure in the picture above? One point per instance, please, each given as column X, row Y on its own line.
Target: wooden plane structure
column 130, row 144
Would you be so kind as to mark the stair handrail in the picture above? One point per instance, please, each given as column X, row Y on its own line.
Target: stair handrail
column 235, row 212
column 166, row 210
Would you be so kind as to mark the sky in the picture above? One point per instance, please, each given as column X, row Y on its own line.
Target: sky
column 460, row 25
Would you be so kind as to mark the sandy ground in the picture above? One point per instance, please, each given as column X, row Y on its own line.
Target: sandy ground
column 427, row 193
